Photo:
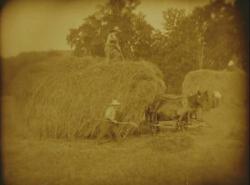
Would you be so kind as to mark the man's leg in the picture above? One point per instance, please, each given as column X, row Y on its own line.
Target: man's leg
column 101, row 136
column 104, row 131
column 116, row 133
column 199, row 114
column 107, row 54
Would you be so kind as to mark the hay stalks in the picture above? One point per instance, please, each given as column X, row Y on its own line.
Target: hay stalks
column 71, row 102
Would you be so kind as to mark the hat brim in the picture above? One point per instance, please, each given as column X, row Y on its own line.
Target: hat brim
column 117, row 30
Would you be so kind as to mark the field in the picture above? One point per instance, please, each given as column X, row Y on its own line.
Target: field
column 215, row 155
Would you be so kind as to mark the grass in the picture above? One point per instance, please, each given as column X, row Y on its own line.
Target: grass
column 195, row 157
column 163, row 159
column 215, row 155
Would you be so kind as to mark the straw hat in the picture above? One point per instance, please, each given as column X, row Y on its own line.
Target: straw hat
column 115, row 102
column 116, row 29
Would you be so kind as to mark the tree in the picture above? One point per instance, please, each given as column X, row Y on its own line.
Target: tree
column 89, row 38
column 223, row 36
column 207, row 38
column 180, row 48
column 173, row 18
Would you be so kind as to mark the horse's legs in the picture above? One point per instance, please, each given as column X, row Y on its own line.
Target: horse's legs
column 189, row 116
column 186, row 121
column 195, row 114
column 157, row 128
column 179, row 123
column 183, row 121
column 156, row 118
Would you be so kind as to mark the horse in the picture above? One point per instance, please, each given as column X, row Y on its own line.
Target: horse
column 152, row 117
column 182, row 115
column 197, row 103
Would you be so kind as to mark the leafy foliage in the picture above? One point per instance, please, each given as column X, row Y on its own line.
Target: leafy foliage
column 208, row 37
column 90, row 37
column 223, row 37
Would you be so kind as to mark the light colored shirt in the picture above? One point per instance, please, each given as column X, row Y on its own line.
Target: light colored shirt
column 112, row 42
column 112, row 39
column 110, row 113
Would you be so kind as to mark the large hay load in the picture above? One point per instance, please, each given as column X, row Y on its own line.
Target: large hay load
column 70, row 102
column 231, row 85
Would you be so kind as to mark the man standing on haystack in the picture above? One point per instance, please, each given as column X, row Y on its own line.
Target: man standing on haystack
column 112, row 47
column 231, row 65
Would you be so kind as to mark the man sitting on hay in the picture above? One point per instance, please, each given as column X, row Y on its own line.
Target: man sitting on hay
column 110, row 126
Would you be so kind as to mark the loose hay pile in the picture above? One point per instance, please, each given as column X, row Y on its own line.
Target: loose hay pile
column 71, row 101
column 231, row 84
column 229, row 118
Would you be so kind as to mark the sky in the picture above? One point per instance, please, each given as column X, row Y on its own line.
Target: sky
column 40, row 25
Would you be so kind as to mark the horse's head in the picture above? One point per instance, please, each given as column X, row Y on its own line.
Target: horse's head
column 204, row 99
column 199, row 99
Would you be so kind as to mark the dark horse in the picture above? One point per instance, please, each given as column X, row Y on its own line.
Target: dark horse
column 181, row 115
column 197, row 102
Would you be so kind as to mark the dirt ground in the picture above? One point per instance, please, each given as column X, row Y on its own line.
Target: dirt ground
column 194, row 157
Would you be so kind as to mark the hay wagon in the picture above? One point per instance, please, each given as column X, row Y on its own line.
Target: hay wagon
column 176, row 115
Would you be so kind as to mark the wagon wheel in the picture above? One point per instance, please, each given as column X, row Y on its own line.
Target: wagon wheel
column 155, row 129
column 180, row 125
column 124, row 132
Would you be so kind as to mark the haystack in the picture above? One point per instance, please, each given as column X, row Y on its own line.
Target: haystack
column 71, row 101
column 231, row 84
column 230, row 117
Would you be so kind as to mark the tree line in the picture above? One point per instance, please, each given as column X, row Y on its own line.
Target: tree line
column 206, row 38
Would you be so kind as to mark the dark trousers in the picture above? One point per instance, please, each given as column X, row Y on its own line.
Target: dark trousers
column 108, row 130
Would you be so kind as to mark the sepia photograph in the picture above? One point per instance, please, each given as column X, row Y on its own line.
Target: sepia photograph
column 124, row 92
